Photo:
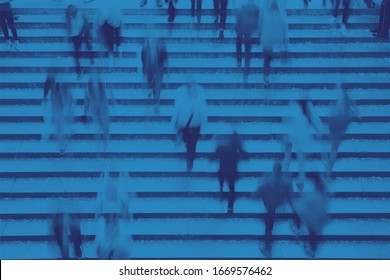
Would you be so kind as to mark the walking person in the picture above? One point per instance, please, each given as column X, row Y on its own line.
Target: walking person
column 7, row 21
column 188, row 119
column 310, row 210
column 228, row 155
column 110, row 21
column 220, row 7
column 382, row 29
column 276, row 191
column 154, row 58
column 273, row 33
column 79, row 32
column 247, row 20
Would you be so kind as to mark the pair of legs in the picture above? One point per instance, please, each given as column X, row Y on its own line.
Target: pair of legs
column 269, row 221
column 196, row 4
column 111, row 36
column 77, row 42
column 301, row 162
column 220, row 7
column 155, row 82
column 267, row 53
column 190, row 138
column 346, row 4
column 382, row 29
column 61, row 234
column 313, row 237
column 171, row 12
column 231, row 179
column 246, row 39
column 7, row 20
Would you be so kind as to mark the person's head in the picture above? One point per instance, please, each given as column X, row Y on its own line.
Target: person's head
column 71, row 11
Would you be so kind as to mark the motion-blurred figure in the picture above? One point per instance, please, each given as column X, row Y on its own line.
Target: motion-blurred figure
column 228, row 155
column 273, row 33
column 97, row 102
column 79, row 30
column 61, row 106
column 346, row 4
column 276, row 191
column 109, row 21
column 345, row 109
column 220, row 7
column 7, row 20
column 113, row 215
column 189, row 117
column 382, row 29
column 310, row 209
column 154, row 58
column 300, row 124
column 66, row 231
column 247, row 19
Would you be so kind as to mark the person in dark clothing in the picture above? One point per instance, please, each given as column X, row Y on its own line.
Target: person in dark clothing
column 154, row 58
column 382, row 29
column 67, row 231
column 246, row 24
column 346, row 4
column 196, row 4
column 228, row 155
column 310, row 210
column 220, row 7
column 171, row 10
column 79, row 31
column 276, row 191
column 7, row 20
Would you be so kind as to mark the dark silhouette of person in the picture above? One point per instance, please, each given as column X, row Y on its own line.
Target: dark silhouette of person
column 171, row 10
column 247, row 22
column 196, row 5
column 228, row 155
column 382, row 29
column 67, row 231
column 220, row 7
column 7, row 20
column 276, row 191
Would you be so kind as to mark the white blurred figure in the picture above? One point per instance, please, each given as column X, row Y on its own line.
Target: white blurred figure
column 97, row 102
column 60, row 106
column 189, row 118
column 311, row 210
column 300, row 124
column 113, row 216
column 273, row 32
column 344, row 110
column 109, row 22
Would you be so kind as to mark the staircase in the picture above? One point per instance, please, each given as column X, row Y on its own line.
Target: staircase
column 178, row 214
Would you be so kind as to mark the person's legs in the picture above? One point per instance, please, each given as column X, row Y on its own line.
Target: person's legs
column 77, row 40
column 239, row 40
column 158, row 83
column 117, row 37
column 346, row 11
column 267, row 64
column 9, row 16
column 199, row 10
column 75, row 236
column 232, row 193
column 171, row 12
column 247, row 43
column 221, row 179
column 223, row 13
column 192, row 140
column 193, row 8
column 4, row 26
column 336, row 8
column 269, row 225
column 109, row 36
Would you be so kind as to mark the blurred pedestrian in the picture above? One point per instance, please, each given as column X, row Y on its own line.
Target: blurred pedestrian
column 79, row 31
column 109, row 21
column 189, row 117
column 97, row 102
column 247, row 19
column 61, row 106
column 273, row 33
column 154, row 58
column 7, row 21
column 220, row 7
column 276, row 191
column 382, row 29
column 341, row 117
column 300, row 124
column 310, row 210
column 228, row 155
